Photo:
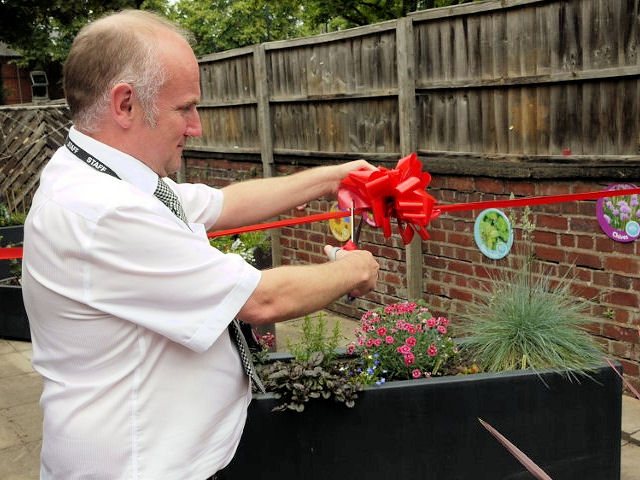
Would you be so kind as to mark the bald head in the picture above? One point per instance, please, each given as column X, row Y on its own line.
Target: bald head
column 119, row 48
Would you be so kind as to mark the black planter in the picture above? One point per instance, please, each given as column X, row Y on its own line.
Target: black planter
column 11, row 235
column 14, row 324
column 429, row 429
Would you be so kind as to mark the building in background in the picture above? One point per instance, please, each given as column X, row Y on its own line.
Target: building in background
column 14, row 81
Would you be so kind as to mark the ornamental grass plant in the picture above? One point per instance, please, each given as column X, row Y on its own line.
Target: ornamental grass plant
column 527, row 320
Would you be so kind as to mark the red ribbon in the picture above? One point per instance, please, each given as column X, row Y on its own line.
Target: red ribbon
column 392, row 193
column 395, row 193
column 10, row 253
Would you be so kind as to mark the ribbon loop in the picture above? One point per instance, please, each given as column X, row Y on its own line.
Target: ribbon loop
column 398, row 193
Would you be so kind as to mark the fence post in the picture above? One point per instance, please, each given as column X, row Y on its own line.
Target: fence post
column 408, row 141
column 266, row 134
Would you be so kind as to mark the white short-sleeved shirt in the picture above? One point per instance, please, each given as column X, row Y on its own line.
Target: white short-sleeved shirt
column 129, row 311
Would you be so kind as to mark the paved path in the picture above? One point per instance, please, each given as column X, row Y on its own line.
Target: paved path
column 21, row 419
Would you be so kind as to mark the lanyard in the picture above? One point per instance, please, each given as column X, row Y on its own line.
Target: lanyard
column 88, row 159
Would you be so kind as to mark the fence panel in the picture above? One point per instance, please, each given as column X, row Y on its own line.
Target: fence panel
column 28, row 138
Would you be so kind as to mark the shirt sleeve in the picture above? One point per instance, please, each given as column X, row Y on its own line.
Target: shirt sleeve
column 201, row 203
column 146, row 268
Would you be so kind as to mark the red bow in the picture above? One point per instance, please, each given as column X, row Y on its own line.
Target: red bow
column 398, row 193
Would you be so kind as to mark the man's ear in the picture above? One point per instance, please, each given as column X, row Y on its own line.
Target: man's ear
column 121, row 104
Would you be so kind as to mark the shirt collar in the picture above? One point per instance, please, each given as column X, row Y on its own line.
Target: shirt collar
column 128, row 168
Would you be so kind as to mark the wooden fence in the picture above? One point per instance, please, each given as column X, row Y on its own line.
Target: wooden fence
column 513, row 87
column 507, row 89
column 28, row 137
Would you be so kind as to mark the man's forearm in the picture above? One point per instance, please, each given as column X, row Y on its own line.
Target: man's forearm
column 290, row 292
column 255, row 201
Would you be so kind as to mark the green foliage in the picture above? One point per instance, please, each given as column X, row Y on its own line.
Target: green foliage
column 526, row 320
column 8, row 218
column 494, row 229
column 314, row 339
column 222, row 24
column 298, row 381
column 331, row 15
column 244, row 244
column 314, row 371
column 43, row 30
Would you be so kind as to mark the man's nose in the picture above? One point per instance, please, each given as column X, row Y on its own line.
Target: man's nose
column 194, row 127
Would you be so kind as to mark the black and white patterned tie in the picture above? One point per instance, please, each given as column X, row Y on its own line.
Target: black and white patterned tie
column 245, row 354
column 170, row 199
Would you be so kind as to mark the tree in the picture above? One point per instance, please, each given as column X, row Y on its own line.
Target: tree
column 330, row 15
column 224, row 24
column 43, row 30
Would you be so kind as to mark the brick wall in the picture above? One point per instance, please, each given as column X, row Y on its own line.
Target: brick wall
column 567, row 237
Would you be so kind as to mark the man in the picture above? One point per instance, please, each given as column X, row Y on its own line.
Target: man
column 129, row 305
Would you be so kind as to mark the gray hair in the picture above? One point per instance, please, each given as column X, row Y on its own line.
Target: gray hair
column 118, row 48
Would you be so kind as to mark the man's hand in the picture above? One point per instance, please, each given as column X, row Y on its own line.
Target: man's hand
column 362, row 262
column 342, row 170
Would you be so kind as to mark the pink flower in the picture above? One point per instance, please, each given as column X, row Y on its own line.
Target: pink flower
column 370, row 342
column 443, row 321
column 361, row 341
column 442, row 329
column 416, row 373
column 432, row 350
column 411, row 341
column 389, row 339
column 409, row 359
column 432, row 322
column 351, row 349
column 404, row 349
column 382, row 331
column 411, row 329
column 377, row 342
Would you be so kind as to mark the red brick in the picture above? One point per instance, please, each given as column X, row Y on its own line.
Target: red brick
column 594, row 328
column 620, row 349
column 584, row 187
column 390, row 253
column 626, row 248
column 392, row 278
column 582, row 274
column 620, row 281
column 584, row 224
column 552, row 221
column 463, row 184
column 631, row 369
column 458, row 294
column 550, row 253
column 436, row 262
column 585, row 260
column 588, row 293
column 435, row 289
column 602, row 278
column 629, row 299
column 547, row 238
column 553, row 188
column 622, row 264
column 526, row 189
column 568, row 241
column 461, row 267
column 585, row 242
column 489, row 185
column 604, row 244
column 461, row 239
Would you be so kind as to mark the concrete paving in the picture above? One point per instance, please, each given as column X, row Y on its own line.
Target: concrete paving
column 21, row 418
